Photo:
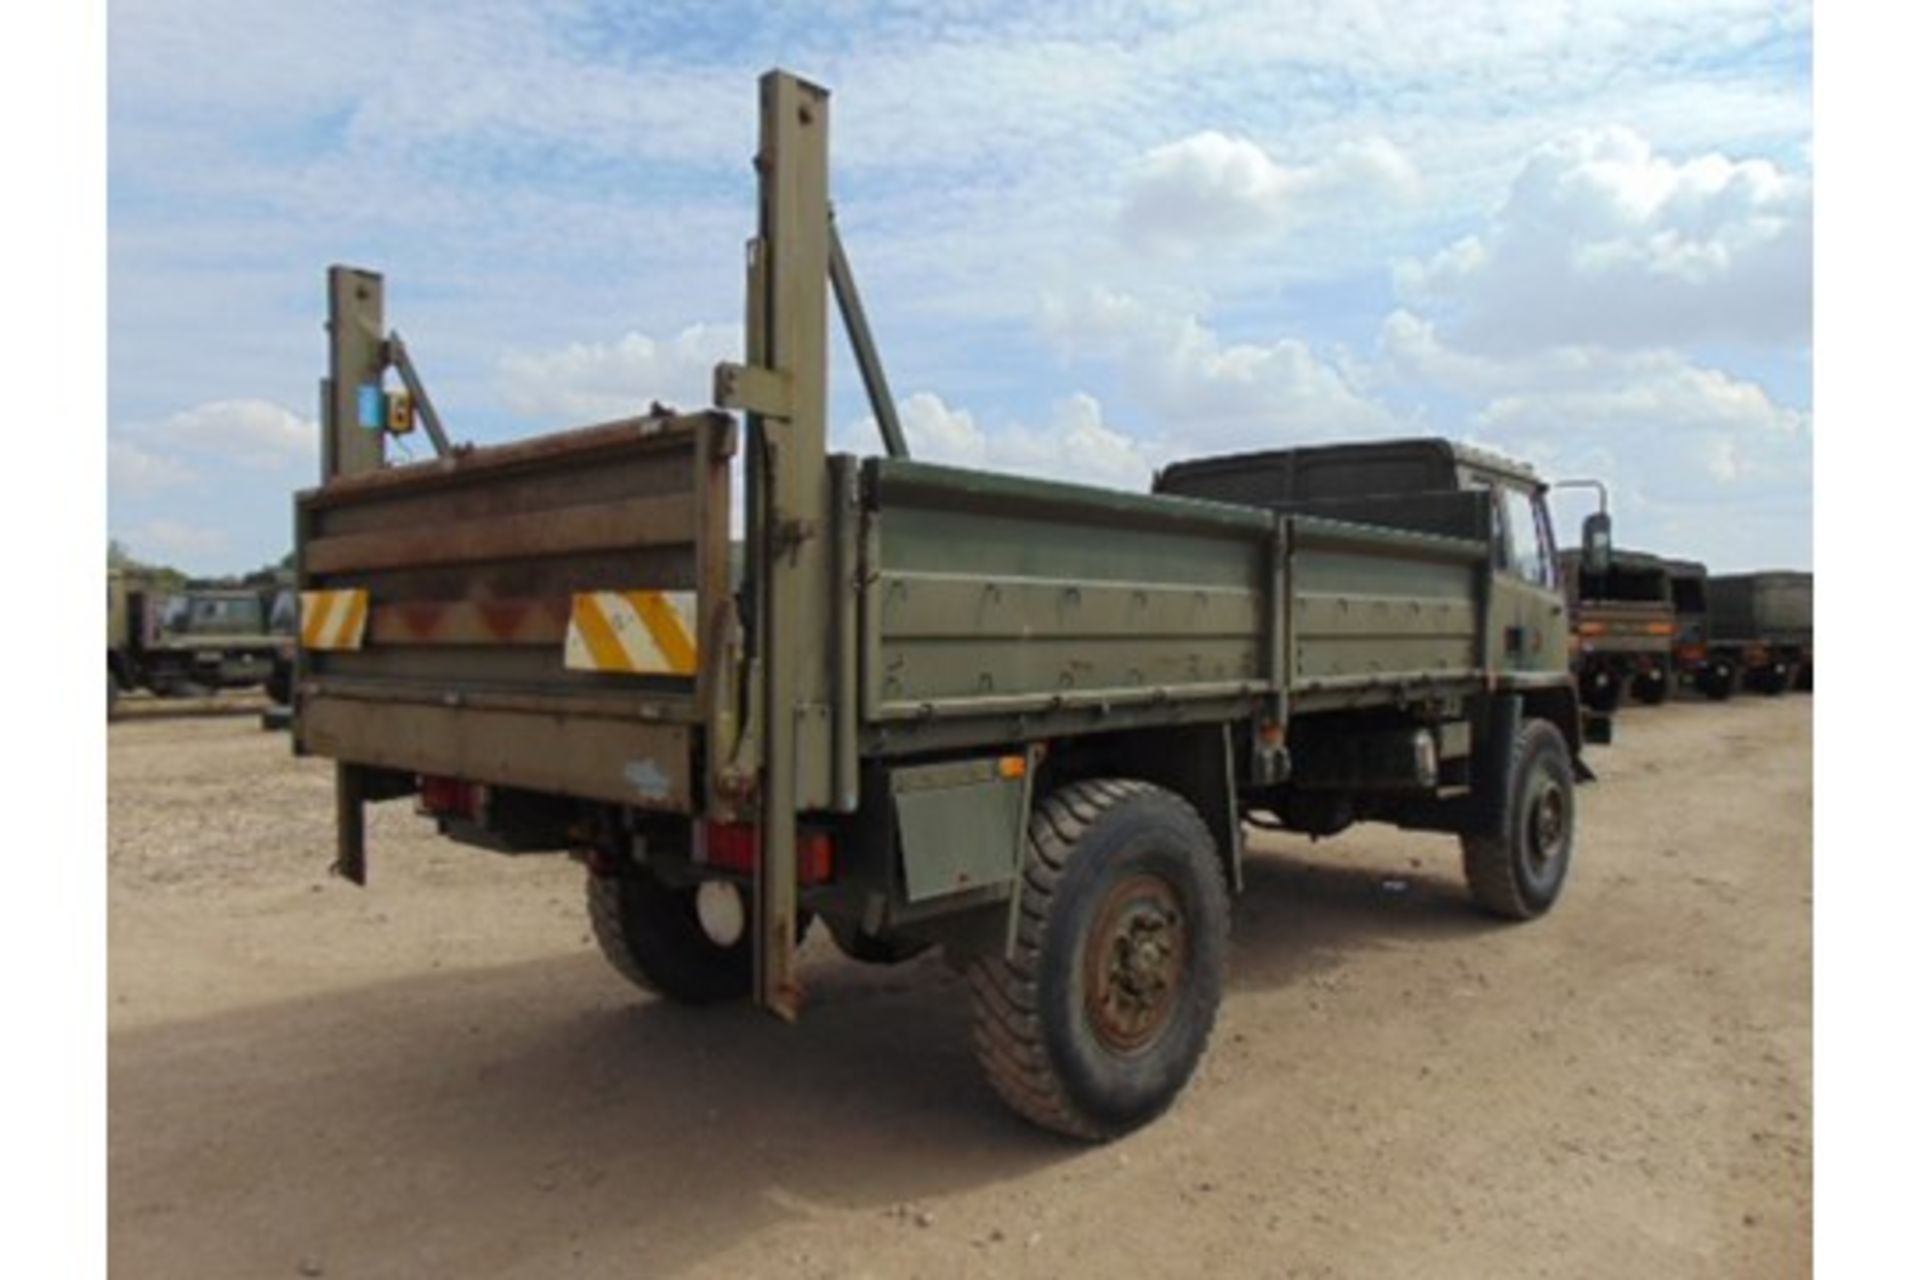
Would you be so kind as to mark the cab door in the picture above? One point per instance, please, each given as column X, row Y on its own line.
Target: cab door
column 1529, row 611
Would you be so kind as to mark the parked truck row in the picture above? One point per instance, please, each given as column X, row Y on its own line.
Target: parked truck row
column 1646, row 624
column 924, row 706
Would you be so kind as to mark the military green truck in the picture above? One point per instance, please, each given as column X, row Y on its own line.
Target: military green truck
column 1624, row 627
column 1760, row 625
column 1695, row 663
column 195, row 640
column 925, row 706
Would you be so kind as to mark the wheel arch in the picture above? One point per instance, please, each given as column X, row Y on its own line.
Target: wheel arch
column 1195, row 762
column 1560, row 706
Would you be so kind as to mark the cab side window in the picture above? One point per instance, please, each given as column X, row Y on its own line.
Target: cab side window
column 1549, row 549
column 1529, row 549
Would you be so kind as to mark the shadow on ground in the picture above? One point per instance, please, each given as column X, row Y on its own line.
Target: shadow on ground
column 507, row 1118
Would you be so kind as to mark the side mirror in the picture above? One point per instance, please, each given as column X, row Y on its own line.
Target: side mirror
column 1596, row 543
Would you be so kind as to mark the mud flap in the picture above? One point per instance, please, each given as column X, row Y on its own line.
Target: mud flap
column 350, row 823
column 1493, row 737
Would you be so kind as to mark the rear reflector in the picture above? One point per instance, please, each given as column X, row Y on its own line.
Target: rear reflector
column 452, row 796
column 735, row 846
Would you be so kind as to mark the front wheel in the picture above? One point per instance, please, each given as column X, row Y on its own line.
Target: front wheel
column 1098, row 1018
column 1517, row 869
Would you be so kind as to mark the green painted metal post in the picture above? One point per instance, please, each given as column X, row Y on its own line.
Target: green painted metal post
column 787, row 339
column 356, row 356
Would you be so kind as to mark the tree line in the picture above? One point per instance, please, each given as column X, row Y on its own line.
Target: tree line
column 168, row 578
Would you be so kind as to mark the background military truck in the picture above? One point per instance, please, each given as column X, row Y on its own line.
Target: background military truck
column 1694, row 661
column 196, row 640
column 1624, row 625
column 1019, row 720
column 1761, row 626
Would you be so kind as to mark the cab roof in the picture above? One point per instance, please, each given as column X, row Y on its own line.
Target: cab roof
column 1451, row 451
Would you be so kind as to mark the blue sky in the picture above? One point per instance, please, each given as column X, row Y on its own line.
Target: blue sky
column 1091, row 240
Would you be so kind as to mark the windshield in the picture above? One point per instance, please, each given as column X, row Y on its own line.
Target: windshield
column 211, row 615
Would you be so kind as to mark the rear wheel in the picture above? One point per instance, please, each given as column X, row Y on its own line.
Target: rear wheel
column 1715, row 682
column 1517, row 869
column 1097, row 1020
column 1600, row 689
column 658, row 937
column 1652, row 687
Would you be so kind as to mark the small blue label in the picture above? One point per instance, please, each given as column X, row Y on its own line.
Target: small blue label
column 373, row 407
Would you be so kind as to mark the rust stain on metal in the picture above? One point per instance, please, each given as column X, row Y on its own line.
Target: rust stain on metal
column 502, row 618
column 418, row 619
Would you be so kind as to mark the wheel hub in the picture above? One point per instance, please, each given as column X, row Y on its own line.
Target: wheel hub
column 1546, row 826
column 1136, row 957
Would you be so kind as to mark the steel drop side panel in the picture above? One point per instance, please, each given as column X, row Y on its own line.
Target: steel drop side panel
column 1379, row 613
column 470, row 565
column 998, row 608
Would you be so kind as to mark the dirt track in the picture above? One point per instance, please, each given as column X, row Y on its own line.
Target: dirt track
column 440, row 1077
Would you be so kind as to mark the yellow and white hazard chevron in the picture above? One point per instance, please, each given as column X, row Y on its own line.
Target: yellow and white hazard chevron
column 644, row 633
column 333, row 619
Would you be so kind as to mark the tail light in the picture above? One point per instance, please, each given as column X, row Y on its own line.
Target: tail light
column 452, row 798
column 735, row 847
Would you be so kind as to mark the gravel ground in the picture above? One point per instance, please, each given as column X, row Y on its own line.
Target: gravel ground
column 437, row 1076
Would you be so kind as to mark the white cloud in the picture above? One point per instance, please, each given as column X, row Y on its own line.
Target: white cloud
column 936, row 431
column 137, row 472
column 1683, row 435
column 1689, row 431
column 1212, row 187
column 167, row 541
column 1076, row 443
column 596, row 381
column 257, row 434
column 1208, row 393
column 1601, row 240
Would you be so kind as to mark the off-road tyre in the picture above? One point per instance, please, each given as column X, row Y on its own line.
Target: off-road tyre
column 1714, row 683
column 1122, row 890
column 1771, row 681
column 1517, row 870
column 113, row 698
column 279, row 687
column 866, row 948
column 1803, row 677
column 1650, row 690
column 650, row 933
column 1601, row 697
